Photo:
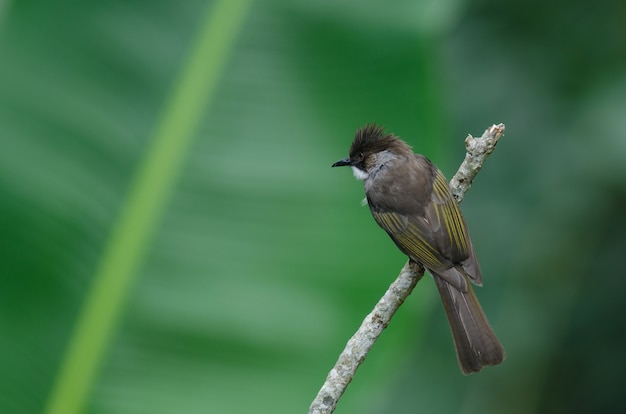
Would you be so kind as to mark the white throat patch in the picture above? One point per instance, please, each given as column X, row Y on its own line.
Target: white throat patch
column 359, row 174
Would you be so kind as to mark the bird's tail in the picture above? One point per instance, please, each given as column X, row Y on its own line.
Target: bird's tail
column 476, row 342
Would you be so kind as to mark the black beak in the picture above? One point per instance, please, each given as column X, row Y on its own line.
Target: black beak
column 342, row 162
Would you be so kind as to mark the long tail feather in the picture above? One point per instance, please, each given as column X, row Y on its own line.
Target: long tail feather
column 476, row 342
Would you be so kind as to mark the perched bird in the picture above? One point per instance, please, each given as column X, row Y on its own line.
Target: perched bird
column 410, row 199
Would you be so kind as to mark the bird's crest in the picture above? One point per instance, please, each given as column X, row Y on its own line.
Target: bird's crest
column 372, row 138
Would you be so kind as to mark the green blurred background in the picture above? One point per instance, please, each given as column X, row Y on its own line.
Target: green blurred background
column 173, row 239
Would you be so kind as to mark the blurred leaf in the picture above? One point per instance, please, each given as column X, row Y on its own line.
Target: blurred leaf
column 241, row 292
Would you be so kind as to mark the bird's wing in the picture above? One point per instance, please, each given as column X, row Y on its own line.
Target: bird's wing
column 413, row 236
column 438, row 238
column 450, row 230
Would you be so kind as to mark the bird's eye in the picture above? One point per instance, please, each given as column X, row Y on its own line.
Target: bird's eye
column 361, row 156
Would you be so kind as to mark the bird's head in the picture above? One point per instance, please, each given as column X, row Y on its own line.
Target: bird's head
column 368, row 145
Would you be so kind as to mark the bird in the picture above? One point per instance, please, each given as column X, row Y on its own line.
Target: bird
column 410, row 198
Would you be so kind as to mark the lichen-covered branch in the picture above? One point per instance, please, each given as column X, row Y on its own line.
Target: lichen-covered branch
column 478, row 149
column 359, row 345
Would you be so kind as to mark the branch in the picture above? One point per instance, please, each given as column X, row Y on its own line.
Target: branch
column 478, row 149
